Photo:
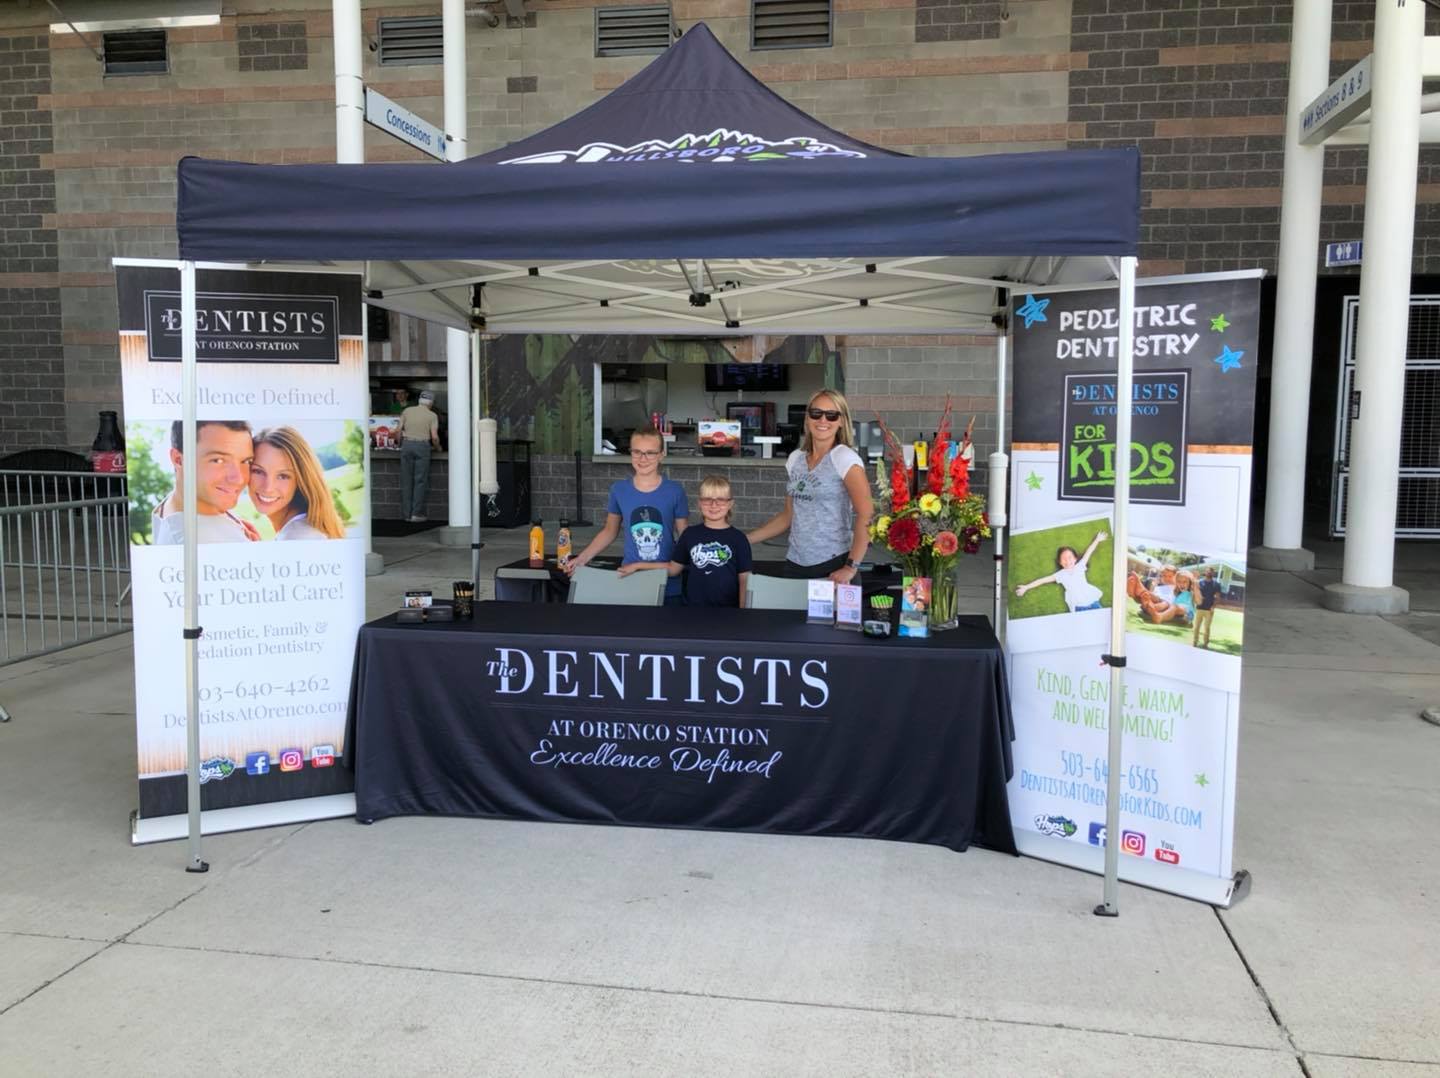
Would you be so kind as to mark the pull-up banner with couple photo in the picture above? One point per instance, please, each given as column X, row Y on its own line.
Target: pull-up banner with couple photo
column 1192, row 410
column 282, row 401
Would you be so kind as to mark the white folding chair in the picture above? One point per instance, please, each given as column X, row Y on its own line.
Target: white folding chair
column 645, row 587
column 777, row 593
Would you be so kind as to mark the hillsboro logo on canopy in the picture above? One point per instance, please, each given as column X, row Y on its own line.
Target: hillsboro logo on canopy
column 721, row 146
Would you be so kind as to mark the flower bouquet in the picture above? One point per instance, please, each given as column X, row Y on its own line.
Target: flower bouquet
column 928, row 533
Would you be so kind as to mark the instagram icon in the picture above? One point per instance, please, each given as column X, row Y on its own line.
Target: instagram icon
column 294, row 760
column 1133, row 842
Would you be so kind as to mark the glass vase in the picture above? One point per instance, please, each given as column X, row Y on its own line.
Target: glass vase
column 944, row 599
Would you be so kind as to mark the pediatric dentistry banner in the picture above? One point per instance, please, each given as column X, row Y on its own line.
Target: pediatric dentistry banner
column 281, row 497
column 1192, row 407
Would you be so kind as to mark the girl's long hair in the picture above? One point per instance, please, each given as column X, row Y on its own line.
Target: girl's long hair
column 312, row 496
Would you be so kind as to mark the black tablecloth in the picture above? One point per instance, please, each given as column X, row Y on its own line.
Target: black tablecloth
column 745, row 720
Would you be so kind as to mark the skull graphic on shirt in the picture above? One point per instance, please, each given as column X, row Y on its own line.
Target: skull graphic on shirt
column 647, row 531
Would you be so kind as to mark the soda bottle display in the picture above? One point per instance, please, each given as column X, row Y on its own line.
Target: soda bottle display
column 107, row 452
column 537, row 543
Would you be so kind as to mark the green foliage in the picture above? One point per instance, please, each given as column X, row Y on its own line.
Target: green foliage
column 352, row 444
column 544, row 352
column 147, row 481
column 1178, row 558
column 1227, row 628
column 347, row 487
column 567, row 424
column 1032, row 556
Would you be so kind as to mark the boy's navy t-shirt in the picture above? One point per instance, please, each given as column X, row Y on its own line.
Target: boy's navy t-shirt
column 647, row 521
column 714, row 559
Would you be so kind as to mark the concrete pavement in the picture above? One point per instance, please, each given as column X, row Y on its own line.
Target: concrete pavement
column 424, row 946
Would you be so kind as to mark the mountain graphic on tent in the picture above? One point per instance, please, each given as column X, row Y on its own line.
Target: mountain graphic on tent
column 695, row 103
column 718, row 147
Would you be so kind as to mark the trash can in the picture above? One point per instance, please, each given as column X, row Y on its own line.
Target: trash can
column 510, row 506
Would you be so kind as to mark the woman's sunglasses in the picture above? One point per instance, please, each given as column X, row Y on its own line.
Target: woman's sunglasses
column 820, row 413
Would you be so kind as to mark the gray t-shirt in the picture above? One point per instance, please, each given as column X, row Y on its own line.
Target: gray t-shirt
column 822, row 521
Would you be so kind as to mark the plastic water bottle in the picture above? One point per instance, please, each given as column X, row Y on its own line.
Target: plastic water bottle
column 562, row 544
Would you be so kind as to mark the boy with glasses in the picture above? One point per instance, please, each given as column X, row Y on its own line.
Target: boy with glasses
column 652, row 509
column 713, row 555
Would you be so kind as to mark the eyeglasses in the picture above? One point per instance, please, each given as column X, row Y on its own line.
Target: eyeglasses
column 820, row 413
column 716, row 501
column 647, row 454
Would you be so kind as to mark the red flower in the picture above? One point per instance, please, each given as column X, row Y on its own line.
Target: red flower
column 960, row 477
column 946, row 544
column 937, row 464
column 899, row 486
column 904, row 536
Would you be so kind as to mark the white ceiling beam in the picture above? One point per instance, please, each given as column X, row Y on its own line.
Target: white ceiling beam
column 853, row 305
column 509, row 272
column 953, row 278
column 627, row 305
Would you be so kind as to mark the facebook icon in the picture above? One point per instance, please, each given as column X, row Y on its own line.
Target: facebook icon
column 1097, row 834
column 258, row 763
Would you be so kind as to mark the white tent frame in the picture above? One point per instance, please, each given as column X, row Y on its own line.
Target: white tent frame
column 445, row 309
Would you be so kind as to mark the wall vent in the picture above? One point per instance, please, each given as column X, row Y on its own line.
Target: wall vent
column 632, row 31
column 412, row 41
column 790, row 24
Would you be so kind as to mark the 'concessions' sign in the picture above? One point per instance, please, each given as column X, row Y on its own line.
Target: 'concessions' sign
column 240, row 328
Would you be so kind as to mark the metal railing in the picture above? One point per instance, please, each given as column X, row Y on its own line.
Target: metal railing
column 64, row 562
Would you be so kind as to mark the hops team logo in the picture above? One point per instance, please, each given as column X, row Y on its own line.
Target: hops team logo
column 705, row 555
column 217, row 767
column 1058, row 826
column 721, row 146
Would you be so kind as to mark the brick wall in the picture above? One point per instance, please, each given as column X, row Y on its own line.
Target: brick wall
column 385, row 488
column 1201, row 88
column 272, row 46
column 32, row 375
column 257, row 87
column 904, row 381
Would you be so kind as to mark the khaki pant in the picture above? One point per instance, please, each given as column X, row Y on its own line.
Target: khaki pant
column 1202, row 617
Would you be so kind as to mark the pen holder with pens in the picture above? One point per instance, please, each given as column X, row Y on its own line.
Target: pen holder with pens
column 464, row 603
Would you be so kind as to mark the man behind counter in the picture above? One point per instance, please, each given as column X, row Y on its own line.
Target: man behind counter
column 419, row 434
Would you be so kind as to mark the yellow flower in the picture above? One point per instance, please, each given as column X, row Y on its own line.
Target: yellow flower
column 882, row 526
column 930, row 505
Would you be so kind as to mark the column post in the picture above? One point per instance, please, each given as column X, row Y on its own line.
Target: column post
column 1367, row 581
column 457, row 341
column 1303, row 183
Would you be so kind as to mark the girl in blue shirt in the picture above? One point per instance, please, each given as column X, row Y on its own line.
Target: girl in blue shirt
column 647, row 508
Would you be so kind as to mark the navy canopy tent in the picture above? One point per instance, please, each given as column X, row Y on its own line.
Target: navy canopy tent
column 694, row 200
column 691, row 159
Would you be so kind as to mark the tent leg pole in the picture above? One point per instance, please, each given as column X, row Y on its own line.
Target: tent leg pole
column 1124, row 369
column 191, row 633
column 1000, row 484
column 476, row 407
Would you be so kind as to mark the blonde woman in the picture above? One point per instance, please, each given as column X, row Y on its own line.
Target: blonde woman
column 287, row 485
column 827, row 497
